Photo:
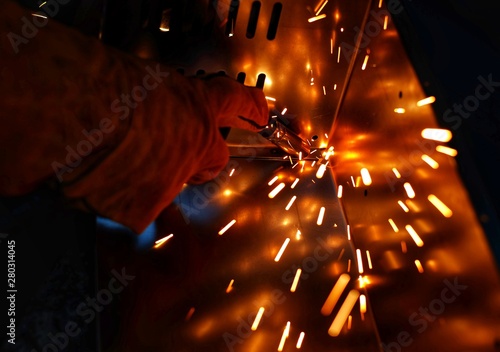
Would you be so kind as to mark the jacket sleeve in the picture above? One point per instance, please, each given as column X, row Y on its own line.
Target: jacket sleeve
column 116, row 132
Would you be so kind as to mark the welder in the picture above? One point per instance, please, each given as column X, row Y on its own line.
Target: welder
column 113, row 133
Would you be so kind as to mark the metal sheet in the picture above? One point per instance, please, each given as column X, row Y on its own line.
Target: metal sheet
column 453, row 304
column 181, row 300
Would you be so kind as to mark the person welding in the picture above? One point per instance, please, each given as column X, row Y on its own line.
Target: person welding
column 117, row 135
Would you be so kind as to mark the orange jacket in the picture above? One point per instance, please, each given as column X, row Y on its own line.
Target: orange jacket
column 114, row 132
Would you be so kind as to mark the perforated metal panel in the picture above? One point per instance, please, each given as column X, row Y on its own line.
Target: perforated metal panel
column 305, row 71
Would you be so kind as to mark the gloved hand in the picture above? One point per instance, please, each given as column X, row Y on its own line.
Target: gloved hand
column 233, row 105
column 116, row 134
